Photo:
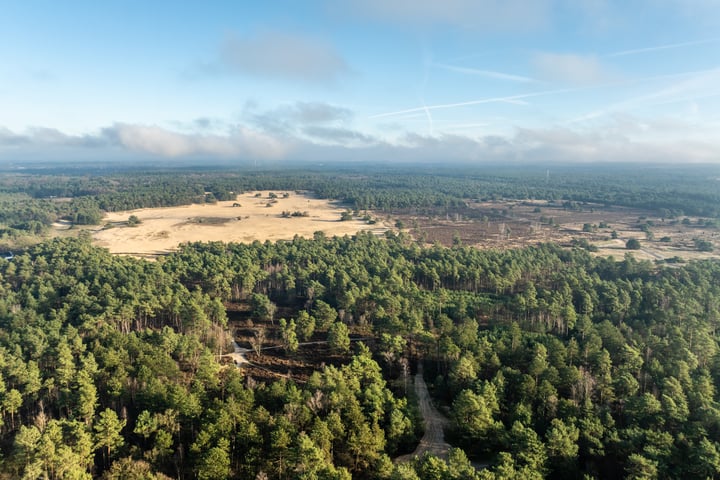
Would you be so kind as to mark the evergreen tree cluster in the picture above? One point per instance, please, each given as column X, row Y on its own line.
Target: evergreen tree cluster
column 549, row 362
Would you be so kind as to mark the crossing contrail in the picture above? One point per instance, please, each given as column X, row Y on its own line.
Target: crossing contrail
column 521, row 96
column 425, row 108
column 484, row 73
column 509, row 98
column 635, row 51
column 664, row 95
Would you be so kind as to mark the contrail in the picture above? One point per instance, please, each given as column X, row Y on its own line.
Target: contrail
column 425, row 108
column 686, row 99
column 429, row 118
column 517, row 102
column 686, row 85
column 623, row 53
column 484, row 73
column 521, row 96
column 477, row 102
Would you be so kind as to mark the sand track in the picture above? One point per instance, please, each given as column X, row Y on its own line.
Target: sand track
column 433, row 441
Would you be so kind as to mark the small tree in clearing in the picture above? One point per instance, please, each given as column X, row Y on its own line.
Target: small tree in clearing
column 257, row 340
column 633, row 244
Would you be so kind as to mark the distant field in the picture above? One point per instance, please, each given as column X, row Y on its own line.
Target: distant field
column 161, row 230
column 501, row 224
column 508, row 224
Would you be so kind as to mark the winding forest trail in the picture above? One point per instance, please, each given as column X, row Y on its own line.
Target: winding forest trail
column 434, row 439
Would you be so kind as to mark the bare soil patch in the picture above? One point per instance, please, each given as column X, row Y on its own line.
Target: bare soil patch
column 246, row 219
column 273, row 361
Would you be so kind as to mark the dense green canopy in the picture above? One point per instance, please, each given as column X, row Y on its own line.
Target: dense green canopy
column 568, row 363
column 548, row 362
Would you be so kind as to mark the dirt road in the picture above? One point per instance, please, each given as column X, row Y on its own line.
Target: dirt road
column 434, row 439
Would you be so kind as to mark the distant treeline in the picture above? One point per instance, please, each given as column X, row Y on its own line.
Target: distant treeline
column 31, row 202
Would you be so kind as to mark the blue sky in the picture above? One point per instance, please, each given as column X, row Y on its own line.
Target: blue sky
column 478, row 81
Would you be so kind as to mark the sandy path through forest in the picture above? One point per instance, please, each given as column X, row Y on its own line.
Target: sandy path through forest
column 434, row 439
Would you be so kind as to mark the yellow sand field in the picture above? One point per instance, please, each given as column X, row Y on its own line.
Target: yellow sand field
column 162, row 229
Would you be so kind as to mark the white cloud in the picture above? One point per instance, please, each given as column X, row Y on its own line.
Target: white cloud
column 48, row 137
column 10, row 139
column 702, row 13
column 283, row 55
column 655, row 129
column 293, row 120
column 319, row 112
column 286, row 118
column 614, row 138
column 152, row 139
column 473, row 14
column 571, row 69
column 620, row 139
column 340, row 136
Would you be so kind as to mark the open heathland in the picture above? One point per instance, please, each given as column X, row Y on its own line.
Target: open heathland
column 605, row 230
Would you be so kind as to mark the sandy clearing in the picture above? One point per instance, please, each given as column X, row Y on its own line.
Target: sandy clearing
column 649, row 250
column 238, row 355
column 163, row 229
